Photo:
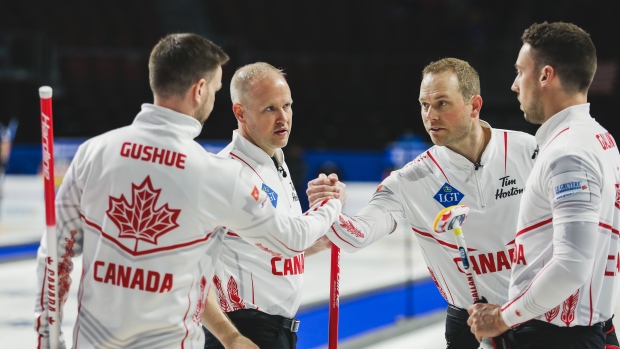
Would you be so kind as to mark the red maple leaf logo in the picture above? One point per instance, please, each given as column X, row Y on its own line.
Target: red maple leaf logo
column 140, row 219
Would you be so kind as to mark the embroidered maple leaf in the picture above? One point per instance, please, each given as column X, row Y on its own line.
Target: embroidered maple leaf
column 233, row 295
column 345, row 222
column 65, row 267
column 200, row 306
column 140, row 219
column 223, row 304
column 568, row 308
column 551, row 314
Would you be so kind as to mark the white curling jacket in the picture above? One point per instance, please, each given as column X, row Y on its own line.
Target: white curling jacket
column 566, row 271
column 439, row 178
column 146, row 207
column 249, row 278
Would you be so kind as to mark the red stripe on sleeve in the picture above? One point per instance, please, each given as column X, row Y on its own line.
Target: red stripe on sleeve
column 537, row 225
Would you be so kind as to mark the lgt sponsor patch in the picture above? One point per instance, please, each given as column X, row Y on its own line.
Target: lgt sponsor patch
column 448, row 195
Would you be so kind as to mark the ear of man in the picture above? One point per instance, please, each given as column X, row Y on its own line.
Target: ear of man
column 238, row 111
column 547, row 74
column 197, row 92
column 476, row 105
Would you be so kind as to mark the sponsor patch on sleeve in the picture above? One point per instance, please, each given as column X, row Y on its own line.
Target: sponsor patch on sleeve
column 255, row 193
column 571, row 186
column 273, row 196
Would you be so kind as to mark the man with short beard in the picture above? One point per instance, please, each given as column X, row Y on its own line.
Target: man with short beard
column 563, row 286
column 471, row 164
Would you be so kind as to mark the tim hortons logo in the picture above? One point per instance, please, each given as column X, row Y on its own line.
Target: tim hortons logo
column 510, row 190
column 139, row 218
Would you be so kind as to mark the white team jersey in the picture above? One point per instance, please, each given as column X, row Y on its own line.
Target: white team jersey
column 555, row 195
column 249, row 278
column 146, row 205
column 440, row 178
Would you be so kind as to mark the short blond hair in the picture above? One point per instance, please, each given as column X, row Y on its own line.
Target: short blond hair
column 469, row 81
column 244, row 76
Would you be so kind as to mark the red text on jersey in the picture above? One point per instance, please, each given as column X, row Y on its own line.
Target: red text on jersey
column 153, row 154
column 288, row 266
column 488, row 262
column 613, row 265
column 130, row 277
column 519, row 255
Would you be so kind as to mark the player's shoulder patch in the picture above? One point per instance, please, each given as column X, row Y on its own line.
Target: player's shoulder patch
column 255, row 193
column 571, row 186
column 384, row 188
column 273, row 196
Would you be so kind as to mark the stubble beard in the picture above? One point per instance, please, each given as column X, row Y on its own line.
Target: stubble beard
column 535, row 113
column 280, row 144
column 457, row 134
column 202, row 113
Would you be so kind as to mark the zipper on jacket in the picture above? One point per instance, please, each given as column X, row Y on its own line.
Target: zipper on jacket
column 282, row 174
column 480, row 192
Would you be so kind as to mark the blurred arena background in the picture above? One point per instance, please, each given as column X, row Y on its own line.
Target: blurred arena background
column 354, row 70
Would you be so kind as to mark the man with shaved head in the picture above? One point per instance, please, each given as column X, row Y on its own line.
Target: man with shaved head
column 261, row 291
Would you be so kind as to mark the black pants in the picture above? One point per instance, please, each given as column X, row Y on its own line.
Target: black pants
column 611, row 340
column 458, row 333
column 537, row 334
column 266, row 331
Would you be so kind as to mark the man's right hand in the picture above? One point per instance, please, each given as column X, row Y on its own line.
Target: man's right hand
column 326, row 187
column 486, row 320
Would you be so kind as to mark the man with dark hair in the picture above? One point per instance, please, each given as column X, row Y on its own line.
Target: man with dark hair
column 146, row 206
column 564, row 275
column 471, row 164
